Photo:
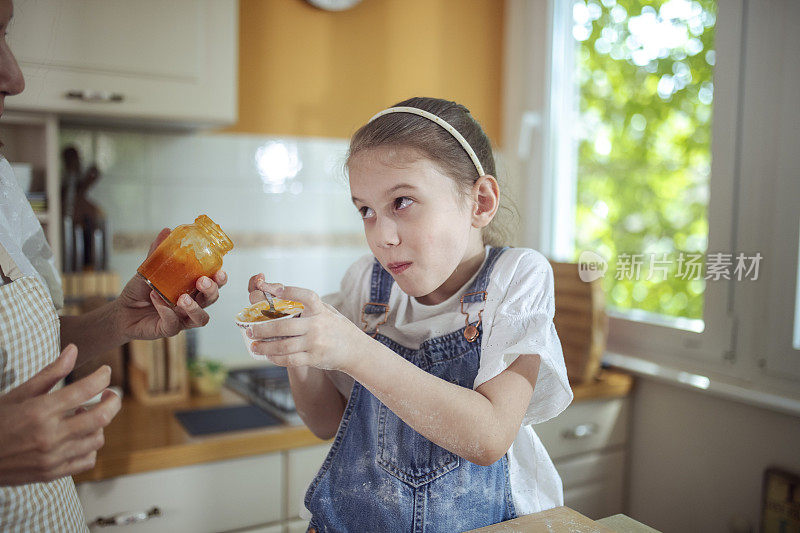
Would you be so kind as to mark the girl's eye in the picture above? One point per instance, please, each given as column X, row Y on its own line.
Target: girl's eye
column 366, row 212
column 402, row 202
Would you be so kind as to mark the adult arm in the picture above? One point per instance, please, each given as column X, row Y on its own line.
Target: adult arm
column 45, row 436
column 139, row 313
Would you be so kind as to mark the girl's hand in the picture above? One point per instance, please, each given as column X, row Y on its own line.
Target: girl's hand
column 321, row 337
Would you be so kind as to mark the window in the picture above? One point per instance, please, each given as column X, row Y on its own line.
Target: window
column 642, row 98
column 717, row 173
column 636, row 118
column 576, row 194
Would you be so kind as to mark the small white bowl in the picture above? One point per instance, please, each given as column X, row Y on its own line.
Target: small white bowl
column 24, row 175
column 251, row 315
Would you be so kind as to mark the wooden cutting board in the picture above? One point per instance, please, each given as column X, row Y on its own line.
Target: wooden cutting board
column 580, row 320
column 556, row 520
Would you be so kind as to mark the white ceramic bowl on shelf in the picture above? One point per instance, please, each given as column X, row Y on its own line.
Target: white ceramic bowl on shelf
column 24, row 174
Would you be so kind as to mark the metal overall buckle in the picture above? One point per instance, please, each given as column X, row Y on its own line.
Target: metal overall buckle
column 364, row 318
column 471, row 332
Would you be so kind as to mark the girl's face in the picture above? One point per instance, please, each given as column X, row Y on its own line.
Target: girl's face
column 417, row 224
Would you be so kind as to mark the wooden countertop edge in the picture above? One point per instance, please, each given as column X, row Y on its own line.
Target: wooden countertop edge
column 607, row 384
column 205, row 450
column 113, row 462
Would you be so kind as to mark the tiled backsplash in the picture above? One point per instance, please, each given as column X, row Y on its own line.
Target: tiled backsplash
column 155, row 180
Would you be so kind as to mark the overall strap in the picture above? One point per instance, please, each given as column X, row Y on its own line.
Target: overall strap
column 379, row 292
column 380, row 289
column 476, row 291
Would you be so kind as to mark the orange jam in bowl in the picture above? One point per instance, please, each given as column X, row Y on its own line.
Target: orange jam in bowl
column 188, row 253
column 253, row 313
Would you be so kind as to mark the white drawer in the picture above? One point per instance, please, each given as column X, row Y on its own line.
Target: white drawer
column 590, row 467
column 597, row 500
column 209, row 497
column 585, row 426
column 304, row 463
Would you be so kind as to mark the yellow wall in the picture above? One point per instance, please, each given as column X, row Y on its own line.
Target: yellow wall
column 303, row 71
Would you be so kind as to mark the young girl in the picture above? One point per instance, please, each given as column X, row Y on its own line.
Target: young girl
column 439, row 352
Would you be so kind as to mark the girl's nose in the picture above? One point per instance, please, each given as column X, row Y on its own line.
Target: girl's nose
column 11, row 80
column 386, row 232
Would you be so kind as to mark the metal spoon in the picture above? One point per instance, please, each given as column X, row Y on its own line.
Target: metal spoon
column 271, row 312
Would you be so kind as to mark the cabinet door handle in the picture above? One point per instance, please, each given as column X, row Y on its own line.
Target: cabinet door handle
column 126, row 518
column 581, row 431
column 95, row 96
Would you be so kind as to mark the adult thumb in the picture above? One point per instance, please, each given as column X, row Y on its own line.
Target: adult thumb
column 47, row 377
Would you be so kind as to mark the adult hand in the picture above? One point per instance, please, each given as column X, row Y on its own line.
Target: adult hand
column 142, row 314
column 320, row 337
column 47, row 436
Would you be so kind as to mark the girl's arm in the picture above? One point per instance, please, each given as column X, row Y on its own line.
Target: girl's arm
column 318, row 401
column 478, row 425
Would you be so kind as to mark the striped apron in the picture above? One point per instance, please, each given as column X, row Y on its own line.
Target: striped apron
column 29, row 341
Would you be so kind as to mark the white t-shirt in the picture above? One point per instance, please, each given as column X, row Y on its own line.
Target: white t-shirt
column 517, row 319
column 22, row 237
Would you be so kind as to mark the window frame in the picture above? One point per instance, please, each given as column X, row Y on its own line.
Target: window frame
column 769, row 220
column 542, row 157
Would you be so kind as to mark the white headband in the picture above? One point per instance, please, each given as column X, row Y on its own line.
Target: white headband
column 443, row 123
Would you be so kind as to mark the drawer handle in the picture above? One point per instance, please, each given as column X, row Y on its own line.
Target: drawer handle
column 581, row 431
column 95, row 96
column 126, row 518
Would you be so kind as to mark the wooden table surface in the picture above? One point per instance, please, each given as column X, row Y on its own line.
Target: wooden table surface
column 566, row 520
column 144, row 438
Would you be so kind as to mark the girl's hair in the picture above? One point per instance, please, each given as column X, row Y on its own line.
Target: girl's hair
column 433, row 142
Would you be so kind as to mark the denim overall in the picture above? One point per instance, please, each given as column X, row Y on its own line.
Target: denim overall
column 381, row 475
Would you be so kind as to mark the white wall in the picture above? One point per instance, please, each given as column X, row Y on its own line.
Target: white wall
column 697, row 461
column 152, row 180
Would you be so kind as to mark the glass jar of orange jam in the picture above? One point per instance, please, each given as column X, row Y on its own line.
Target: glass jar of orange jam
column 188, row 253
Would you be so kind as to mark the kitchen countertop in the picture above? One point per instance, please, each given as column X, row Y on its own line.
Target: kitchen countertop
column 142, row 438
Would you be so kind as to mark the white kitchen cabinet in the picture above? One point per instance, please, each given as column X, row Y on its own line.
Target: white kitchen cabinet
column 116, row 60
column 596, row 500
column 585, row 426
column 588, row 445
column 217, row 496
column 303, row 465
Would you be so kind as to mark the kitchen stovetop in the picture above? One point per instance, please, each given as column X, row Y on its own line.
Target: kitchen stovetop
column 268, row 388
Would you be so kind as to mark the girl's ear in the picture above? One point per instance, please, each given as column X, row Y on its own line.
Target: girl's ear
column 486, row 201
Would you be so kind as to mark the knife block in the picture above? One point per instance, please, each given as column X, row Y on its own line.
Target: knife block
column 157, row 371
column 84, row 292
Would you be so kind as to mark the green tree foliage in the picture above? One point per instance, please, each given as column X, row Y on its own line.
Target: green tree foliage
column 644, row 73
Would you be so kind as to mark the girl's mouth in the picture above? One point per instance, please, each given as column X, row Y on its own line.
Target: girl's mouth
column 397, row 268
